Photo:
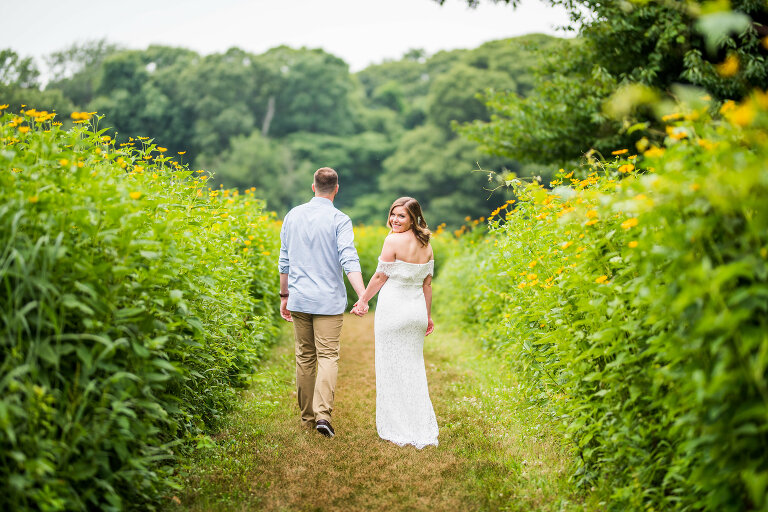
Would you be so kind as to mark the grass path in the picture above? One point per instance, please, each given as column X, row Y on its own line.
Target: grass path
column 493, row 455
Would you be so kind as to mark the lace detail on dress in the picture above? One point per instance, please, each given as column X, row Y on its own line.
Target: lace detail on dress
column 385, row 267
column 404, row 413
column 408, row 273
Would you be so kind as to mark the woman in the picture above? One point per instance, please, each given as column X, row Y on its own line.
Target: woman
column 404, row 413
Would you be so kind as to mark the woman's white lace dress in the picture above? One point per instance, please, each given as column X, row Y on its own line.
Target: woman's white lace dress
column 404, row 413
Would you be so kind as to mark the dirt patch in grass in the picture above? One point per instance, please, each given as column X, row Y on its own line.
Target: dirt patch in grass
column 491, row 455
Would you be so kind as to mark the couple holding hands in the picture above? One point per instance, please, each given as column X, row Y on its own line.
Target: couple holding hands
column 316, row 248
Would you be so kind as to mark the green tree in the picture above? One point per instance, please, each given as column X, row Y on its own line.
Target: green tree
column 653, row 43
column 314, row 92
column 260, row 162
column 357, row 158
column 444, row 175
column 20, row 85
column 449, row 103
column 75, row 70
column 16, row 71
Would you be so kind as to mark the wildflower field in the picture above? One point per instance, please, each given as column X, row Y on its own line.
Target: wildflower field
column 628, row 299
column 134, row 301
column 631, row 299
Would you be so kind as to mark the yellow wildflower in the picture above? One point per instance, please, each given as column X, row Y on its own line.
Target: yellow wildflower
column 626, row 168
column 162, row 150
column 23, row 129
column 619, row 152
column 531, row 277
column 632, row 244
column 729, row 67
column 601, row 279
column 590, row 223
column 63, row 162
column 654, row 151
column 33, row 199
column 181, row 152
column 591, row 214
column 741, row 115
column 532, row 264
column 567, row 244
column 676, row 133
column 630, row 223
column 728, row 105
column 4, row 106
column 761, row 98
column 106, row 138
column 135, row 195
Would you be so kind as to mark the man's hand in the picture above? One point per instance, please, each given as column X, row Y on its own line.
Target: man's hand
column 284, row 309
column 360, row 308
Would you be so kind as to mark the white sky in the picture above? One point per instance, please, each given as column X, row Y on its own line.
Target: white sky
column 361, row 32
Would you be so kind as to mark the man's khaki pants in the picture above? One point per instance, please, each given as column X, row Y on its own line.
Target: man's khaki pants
column 317, row 363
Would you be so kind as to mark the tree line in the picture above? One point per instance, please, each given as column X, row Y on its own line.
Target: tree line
column 430, row 126
column 269, row 120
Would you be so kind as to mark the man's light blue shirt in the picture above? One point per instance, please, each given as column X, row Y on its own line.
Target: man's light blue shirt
column 316, row 244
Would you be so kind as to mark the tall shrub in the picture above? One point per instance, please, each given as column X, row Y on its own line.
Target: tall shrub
column 132, row 304
column 633, row 299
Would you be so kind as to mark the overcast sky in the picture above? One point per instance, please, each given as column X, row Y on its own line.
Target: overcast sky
column 361, row 32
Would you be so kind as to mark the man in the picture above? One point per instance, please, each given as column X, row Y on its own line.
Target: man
column 316, row 244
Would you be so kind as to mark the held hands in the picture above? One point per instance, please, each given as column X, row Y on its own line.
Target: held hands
column 360, row 308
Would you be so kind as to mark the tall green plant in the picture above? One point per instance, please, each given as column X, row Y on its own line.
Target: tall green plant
column 134, row 301
column 633, row 301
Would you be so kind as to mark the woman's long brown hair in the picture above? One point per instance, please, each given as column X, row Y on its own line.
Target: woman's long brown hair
column 418, row 224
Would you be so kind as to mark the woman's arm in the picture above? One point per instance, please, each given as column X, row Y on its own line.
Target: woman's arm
column 427, row 286
column 374, row 285
column 378, row 279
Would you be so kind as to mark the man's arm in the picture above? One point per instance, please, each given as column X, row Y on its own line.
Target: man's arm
column 283, row 265
column 348, row 257
column 356, row 280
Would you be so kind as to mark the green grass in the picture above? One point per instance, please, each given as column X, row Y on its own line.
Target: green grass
column 494, row 453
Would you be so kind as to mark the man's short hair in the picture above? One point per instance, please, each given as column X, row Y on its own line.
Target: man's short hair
column 326, row 180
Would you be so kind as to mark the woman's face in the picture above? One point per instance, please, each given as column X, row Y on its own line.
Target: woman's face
column 399, row 219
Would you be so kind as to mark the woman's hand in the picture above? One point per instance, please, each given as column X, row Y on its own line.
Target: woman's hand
column 430, row 326
column 360, row 308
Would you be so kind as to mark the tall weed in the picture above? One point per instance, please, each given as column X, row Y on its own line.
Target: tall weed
column 133, row 302
column 633, row 299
